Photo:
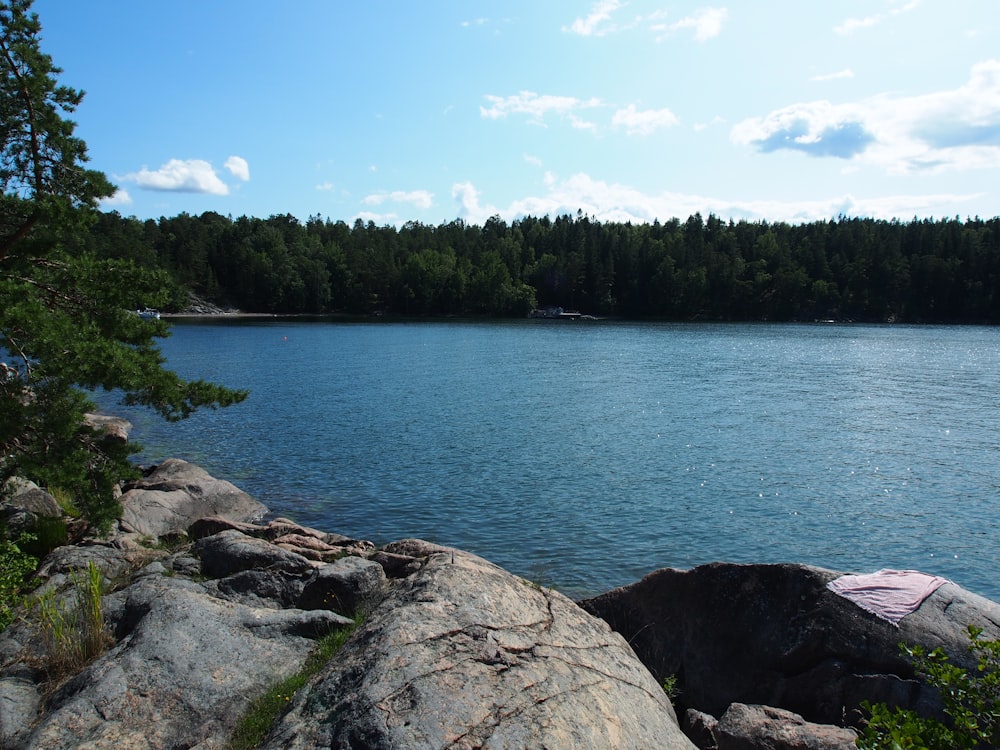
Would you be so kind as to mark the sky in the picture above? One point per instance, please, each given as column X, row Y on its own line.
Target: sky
column 627, row 110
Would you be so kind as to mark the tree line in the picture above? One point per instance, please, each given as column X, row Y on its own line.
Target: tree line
column 944, row 270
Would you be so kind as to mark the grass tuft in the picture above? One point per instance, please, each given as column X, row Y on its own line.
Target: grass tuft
column 265, row 711
column 73, row 633
column 67, row 503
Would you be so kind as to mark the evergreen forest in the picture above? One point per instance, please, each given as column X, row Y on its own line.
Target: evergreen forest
column 848, row 269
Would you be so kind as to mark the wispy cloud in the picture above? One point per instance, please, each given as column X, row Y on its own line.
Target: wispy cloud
column 631, row 119
column 643, row 122
column 599, row 21
column 180, row 175
column 609, row 201
column 956, row 129
column 845, row 73
column 578, row 123
column 418, row 198
column 485, row 22
column 853, row 24
column 717, row 120
column 706, row 23
column 536, row 106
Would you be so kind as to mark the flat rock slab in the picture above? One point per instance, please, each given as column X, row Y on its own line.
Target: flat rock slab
column 462, row 654
column 176, row 494
column 745, row 727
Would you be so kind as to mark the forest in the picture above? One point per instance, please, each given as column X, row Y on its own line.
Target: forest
column 848, row 269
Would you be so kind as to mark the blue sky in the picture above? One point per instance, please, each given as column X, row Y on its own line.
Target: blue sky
column 629, row 110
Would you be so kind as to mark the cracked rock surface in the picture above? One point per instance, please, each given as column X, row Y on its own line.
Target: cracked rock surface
column 462, row 654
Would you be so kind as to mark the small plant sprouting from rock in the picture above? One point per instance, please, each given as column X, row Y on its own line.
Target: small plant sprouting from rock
column 268, row 708
column 73, row 632
column 971, row 701
column 670, row 687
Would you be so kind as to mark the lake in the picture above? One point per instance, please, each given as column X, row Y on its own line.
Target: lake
column 585, row 454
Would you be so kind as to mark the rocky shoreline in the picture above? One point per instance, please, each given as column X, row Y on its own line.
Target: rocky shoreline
column 208, row 606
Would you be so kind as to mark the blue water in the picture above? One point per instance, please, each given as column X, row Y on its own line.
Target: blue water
column 585, row 455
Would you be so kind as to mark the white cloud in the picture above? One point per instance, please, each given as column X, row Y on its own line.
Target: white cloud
column 119, row 198
column 643, row 122
column 706, row 22
column 238, row 167
column 378, row 219
column 598, row 22
column 180, row 175
column 467, row 200
column 536, row 106
column 816, row 128
column 955, row 129
column 853, row 24
column 613, row 202
column 846, row 73
column 578, row 123
column 325, row 186
column 533, row 160
column 419, row 198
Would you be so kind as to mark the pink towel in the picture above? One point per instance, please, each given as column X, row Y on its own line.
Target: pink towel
column 889, row 594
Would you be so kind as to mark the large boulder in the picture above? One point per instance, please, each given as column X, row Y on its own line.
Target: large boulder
column 20, row 493
column 24, row 505
column 775, row 635
column 176, row 494
column 462, row 654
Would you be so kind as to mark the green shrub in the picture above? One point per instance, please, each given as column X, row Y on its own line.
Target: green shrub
column 15, row 567
column 971, row 702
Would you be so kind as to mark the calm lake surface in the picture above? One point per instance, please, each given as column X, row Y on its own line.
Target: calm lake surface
column 584, row 455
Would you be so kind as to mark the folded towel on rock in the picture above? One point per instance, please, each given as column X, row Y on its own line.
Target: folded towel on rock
column 889, row 594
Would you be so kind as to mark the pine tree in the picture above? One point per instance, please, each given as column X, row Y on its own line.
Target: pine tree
column 67, row 324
